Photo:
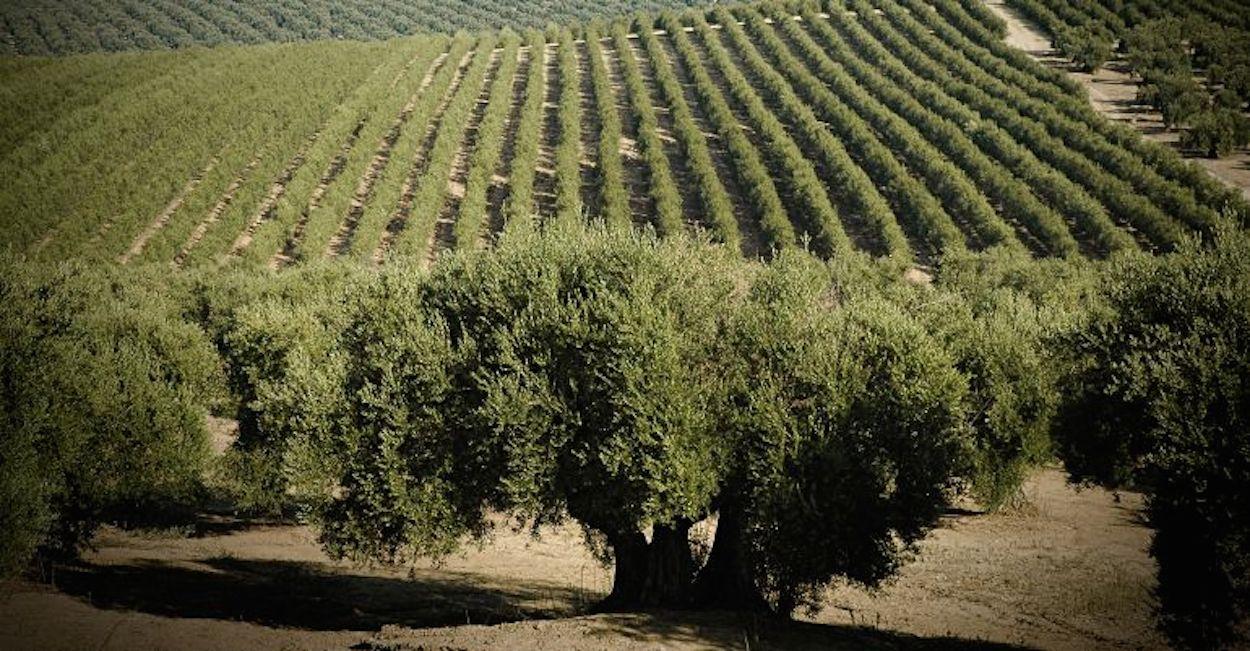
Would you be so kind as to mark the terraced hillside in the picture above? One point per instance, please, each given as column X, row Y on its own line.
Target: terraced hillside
column 900, row 128
column 42, row 27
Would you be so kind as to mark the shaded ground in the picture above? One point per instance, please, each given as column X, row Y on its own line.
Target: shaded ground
column 1113, row 92
column 1069, row 570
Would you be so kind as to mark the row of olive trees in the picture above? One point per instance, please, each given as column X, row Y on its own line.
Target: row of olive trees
column 946, row 190
column 982, row 47
column 54, row 27
column 832, row 49
column 1165, row 51
column 519, row 207
column 752, row 176
column 1064, row 192
column 808, row 205
column 849, row 185
column 713, row 198
column 640, row 387
column 824, row 413
column 488, row 149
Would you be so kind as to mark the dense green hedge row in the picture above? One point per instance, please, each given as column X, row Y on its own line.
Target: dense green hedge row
column 614, row 378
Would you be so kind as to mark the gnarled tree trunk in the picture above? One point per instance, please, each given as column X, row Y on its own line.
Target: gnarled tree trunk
column 655, row 574
column 726, row 581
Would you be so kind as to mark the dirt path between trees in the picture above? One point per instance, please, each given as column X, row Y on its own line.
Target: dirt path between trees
column 443, row 237
column 1113, row 92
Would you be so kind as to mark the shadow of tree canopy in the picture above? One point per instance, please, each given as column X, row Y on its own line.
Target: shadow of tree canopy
column 290, row 594
column 287, row 594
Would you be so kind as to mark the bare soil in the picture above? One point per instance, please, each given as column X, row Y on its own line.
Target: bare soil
column 1067, row 570
column 1113, row 92
column 420, row 160
column 500, row 183
column 443, row 238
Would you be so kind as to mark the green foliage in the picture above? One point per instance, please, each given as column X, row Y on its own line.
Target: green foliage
column 1004, row 321
column 665, row 197
column 847, row 421
column 849, row 184
column 77, row 26
column 519, row 209
column 613, row 197
column 1217, row 132
column 793, row 173
column 105, row 391
column 568, row 190
column 556, row 373
column 713, row 197
column 633, row 384
column 1159, row 401
column 1085, row 46
column 752, row 176
column 277, row 336
column 472, row 213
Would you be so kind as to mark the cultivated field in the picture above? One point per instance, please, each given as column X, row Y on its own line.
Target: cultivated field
column 42, row 27
column 894, row 128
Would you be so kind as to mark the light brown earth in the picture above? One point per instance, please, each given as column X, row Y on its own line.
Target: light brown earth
column 1113, row 91
column 1068, row 570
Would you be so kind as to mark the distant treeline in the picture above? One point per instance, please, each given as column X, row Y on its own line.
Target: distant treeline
column 50, row 27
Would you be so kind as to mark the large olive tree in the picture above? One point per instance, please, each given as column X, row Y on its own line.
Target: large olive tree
column 640, row 387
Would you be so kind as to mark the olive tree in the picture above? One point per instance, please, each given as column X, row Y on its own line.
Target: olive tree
column 638, row 387
column 1160, row 401
column 103, row 393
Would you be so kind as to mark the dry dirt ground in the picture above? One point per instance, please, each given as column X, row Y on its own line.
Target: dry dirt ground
column 1067, row 570
column 1114, row 93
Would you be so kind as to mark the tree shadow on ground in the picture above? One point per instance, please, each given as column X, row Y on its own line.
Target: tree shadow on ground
column 311, row 596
